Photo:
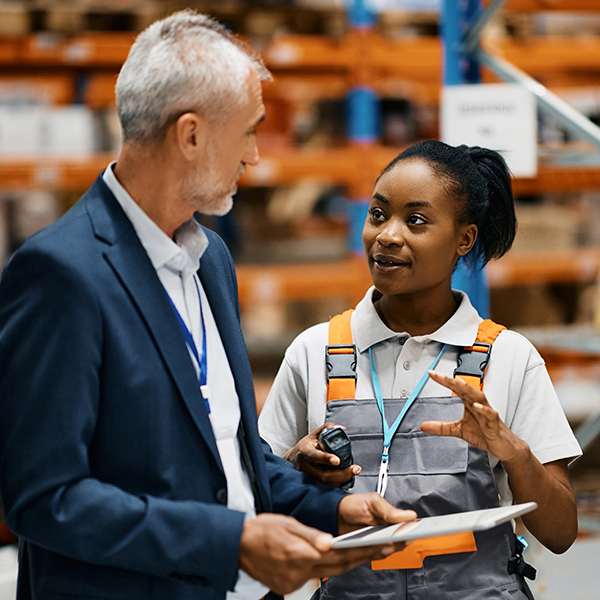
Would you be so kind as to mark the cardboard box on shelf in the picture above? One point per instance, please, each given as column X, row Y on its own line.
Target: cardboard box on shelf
column 37, row 89
column 65, row 16
column 14, row 18
column 68, row 131
column 546, row 227
column 27, row 131
column 525, row 307
column 569, row 24
column 20, row 130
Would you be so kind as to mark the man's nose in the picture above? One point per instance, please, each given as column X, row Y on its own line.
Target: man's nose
column 251, row 157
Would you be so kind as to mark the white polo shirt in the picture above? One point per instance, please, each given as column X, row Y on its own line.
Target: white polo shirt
column 176, row 263
column 516, row 384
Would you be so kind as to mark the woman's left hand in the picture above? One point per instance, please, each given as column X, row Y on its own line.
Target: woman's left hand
column 554, row 523
column 480, row 425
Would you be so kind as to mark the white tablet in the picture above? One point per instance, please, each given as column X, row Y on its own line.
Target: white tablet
column 476, row 520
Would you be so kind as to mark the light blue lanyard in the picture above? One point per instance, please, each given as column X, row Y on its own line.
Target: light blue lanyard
column 189, row 340
column 389, row 432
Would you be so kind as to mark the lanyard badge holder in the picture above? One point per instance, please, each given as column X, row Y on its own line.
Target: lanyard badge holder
column 201, row 361
column 389, row 432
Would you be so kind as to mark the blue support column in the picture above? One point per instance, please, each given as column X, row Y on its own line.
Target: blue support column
column 360, row 14
column 363, row 128
column 363, row 115
column 357, row 215
column 456, row 18
column 362, row 122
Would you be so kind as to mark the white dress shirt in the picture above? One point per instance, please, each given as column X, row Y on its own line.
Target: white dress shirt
column 176, row 263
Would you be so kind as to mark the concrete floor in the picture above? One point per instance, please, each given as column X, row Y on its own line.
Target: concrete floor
column 570, row 575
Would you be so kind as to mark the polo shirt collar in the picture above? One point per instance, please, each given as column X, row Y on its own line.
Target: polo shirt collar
column 460, row 330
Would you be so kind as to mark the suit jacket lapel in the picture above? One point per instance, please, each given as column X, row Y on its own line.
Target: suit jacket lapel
column 132, row 266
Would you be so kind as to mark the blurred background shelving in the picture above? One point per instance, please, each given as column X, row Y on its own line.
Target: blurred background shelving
column 59, row 62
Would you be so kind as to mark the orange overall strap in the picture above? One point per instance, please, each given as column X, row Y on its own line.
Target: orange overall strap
column 340, row 342
column 473, row 360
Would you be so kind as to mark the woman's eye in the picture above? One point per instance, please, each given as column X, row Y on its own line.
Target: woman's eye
column 376, row 213
column 416, row 220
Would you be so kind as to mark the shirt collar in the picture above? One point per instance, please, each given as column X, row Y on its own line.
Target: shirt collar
column 182, row 255
column 459, row 330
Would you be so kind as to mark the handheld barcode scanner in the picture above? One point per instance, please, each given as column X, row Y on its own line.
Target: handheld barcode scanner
column 335, row 440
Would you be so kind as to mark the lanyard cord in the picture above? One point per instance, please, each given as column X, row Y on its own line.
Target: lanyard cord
column 189, row 340
column 389, row 432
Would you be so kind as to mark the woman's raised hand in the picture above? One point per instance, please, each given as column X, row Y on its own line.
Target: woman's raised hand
column 480, row 425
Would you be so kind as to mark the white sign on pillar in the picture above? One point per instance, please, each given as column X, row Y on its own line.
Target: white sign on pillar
column 500, row 116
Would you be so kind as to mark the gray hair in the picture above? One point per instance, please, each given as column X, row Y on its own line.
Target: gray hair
column 187, row 62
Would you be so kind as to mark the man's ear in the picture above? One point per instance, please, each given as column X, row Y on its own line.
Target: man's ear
column 191, row 134
column 468, row 239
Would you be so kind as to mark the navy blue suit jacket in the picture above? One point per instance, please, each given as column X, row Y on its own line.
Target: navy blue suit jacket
column 109, row 470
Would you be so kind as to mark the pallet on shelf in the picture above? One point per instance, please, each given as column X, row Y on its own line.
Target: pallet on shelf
column 356, row 166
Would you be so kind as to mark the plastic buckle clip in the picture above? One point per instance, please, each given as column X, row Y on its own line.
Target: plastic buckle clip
column 473, row 362
column 517, row 564
column 341, row 365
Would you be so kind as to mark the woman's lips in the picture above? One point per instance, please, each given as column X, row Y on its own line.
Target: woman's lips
column 388, row 263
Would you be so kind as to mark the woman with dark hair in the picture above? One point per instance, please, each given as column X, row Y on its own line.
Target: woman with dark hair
column 500, row 438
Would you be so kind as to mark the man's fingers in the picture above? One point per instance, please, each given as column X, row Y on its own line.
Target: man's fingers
column 319, row 539
column 283, row 554
column 358, row 510
column 340, row 561
column 353, row 557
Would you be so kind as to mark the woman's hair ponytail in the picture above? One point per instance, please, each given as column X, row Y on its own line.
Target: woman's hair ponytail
column 494, row 214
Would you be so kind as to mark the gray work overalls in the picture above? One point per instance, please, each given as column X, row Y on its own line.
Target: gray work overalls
column 433, row 476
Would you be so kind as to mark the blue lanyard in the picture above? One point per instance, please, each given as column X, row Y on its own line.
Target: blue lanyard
column 189, row 340
column 389, row 432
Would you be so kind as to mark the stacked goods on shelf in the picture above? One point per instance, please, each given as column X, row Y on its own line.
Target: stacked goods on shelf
column 64, row 16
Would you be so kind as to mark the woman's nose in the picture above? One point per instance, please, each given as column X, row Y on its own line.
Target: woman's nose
column 391, row 235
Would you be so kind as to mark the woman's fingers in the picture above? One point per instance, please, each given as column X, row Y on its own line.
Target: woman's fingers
column 441, row 428
column 462, row 389
column 480, row 426
column 317, row 456
column 473, row 400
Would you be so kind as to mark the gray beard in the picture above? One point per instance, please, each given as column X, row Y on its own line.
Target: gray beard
column 206, row 201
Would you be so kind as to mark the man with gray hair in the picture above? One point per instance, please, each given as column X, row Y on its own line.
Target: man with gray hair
column 130, row 461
